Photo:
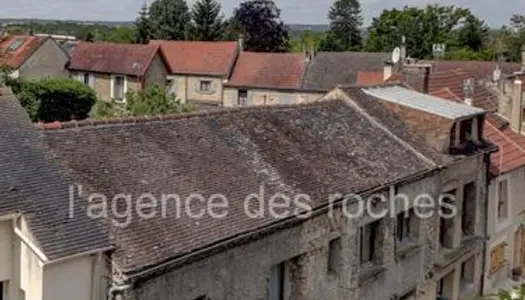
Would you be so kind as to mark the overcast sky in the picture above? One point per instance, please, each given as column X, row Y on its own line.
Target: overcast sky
column 494, row 12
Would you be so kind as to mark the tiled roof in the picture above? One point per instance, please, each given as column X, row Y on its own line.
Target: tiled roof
column 126, row 59
column 511, row 154
column 202, row 58
column 316, row 149
column 27, row 46
column 329, row 69
column 36, row 187
column 370, row 78
column 476, row 69
column 272, row 70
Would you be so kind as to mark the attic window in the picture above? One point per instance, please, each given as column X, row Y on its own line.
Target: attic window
column 465, row 131
column 15, row 45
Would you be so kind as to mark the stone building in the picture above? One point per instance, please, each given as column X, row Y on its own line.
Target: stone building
column 114, row 69
column 313, row 249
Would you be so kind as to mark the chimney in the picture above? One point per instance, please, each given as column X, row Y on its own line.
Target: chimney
column 417, row 76
column 523, row 58
column 426, row 78
column 468, row 91
column 241, row 42
column 516, row 108
column 387, row 70
column 403, row 49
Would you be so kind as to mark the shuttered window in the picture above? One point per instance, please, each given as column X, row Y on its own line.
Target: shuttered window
column 497, row 258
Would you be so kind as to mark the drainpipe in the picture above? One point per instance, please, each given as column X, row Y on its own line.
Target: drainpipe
column 117, row 288
column 486, row 160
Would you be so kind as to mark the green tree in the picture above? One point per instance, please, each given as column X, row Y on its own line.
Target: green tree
column 307, row 40
column 170, row 19
column 154, row 100
column 51, row 100
column 122, row 34
column 345, row 26
column 207, row 22
column 516, row 293
column 259, row 21
column 143, row 27
column 473, row 34
column 421, row 27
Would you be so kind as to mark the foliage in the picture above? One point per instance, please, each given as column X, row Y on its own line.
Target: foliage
column 144, row 28
column 151, row 101
column 307, row 40
column 345, row 26
column 259, row 21
column 207, row 22
column 469, row 54
column 122, row 34
column 516, row 293
column 473, row 34
column 422, row 28
column 50, row 100
column 170, row 19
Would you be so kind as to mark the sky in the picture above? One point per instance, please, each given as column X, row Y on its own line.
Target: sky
column 494, row 12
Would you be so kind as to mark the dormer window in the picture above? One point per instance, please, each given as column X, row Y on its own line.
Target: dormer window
column 464, row 133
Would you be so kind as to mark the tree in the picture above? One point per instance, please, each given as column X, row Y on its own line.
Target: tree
column 422, row 28
column 143, row 27
column 122, row 34
column 170, row 19
column 307, row 40
column 53, row 99
column 473, row 34
column 153, row 100
column 516, row 293
column 207, row 23
column 345, row 26
column 259, row 21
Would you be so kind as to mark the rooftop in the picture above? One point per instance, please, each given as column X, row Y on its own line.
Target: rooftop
column 423, row 102
column 16, row 49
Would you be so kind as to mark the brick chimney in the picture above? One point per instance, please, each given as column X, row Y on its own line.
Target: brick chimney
column 417, row 76
column 516, row 107
column 241, row 42
column 387, row 70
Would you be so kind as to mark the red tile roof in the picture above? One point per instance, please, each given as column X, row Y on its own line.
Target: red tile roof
column 269, row 70
column 511, row 154
column 369, row 78
column 15, row 59
column 127, row 59
column 203, row 58
column 477, row 69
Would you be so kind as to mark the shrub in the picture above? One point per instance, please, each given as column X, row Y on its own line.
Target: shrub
column 50, row 100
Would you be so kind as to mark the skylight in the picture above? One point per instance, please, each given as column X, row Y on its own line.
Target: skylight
column 15, row 45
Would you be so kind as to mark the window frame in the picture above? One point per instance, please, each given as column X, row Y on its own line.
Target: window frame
column 505, row 189
column 334, row 255
column 124, row 88
column 403, row 232
column 242, row 101
column 205, row 86
column 368, row 234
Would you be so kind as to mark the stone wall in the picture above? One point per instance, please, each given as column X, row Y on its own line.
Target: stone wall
column 257, row 96
column 48, row 61
column 187, row 88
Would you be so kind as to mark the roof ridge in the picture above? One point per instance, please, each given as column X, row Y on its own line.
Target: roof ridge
column 92, row 123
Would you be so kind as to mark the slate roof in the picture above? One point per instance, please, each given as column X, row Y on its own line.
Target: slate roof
column 111, row 58
column 34, row 186
column 317, row 149
column 269, row 70
column 328, row 69
column 201, row 58
column 15, row 59
column 511, row 153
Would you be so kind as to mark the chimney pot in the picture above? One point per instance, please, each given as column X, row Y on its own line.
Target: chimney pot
column 516, row 107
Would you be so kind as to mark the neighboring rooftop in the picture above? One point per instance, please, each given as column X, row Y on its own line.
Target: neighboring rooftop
column 476, row 69
column 269, row 70
column 200, row 58
column 112, row 58
column 16, row 49
column 328, row 69
column 35, row 187
column 423, row 102
column 316, row 149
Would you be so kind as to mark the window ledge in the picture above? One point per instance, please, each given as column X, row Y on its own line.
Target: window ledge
column 206, row 92
column 368, row 273
column 407, row 249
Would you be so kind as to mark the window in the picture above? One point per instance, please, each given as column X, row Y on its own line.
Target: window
column 467, row 274
column 403, row 226
column 205, row 86
column 118, row 87
column 89, row 80
column 276, row 283
column 242, row 98
column 465, row 131
column 334, row 255
column 367, row 242
column 503, row 201
column 446, row 222
column 15, row 45
column 468, row 214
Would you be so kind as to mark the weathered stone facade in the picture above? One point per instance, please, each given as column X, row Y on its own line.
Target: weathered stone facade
column 48, row 61
column 258, row 96
column 188, row 89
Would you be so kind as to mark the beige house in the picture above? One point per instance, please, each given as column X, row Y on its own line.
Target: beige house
column 198, row 70
column 33, row 57
column 48, row 249
column 114, row 69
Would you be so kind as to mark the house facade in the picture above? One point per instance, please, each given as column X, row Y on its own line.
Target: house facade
column 45, row 253
column 114, row 69
column 198, row 70
column 32, row 57
column 249, row 253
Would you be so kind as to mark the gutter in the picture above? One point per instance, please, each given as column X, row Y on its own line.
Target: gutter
column 30, row 244
column 288, row 222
